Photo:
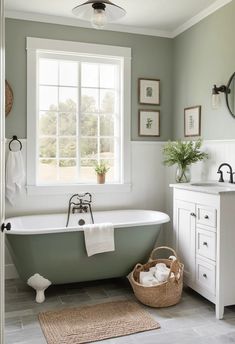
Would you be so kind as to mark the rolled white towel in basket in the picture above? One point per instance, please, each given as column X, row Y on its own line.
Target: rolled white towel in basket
column 161, row 272
column 156, row 275
column 148, row 279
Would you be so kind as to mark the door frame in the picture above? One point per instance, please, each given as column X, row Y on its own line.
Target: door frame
column 2, row 169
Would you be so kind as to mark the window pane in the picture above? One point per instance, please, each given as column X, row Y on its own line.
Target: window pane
column 68, row 97
column 67, row 124
column 68, row 106
column 48, row 72
column 90, row 74
column 90, row 100
column 67, row 148
column 47, row 123
column 106, row 125
column 48, row 98
column 89, row 125
column 68, row 73
column 67, row 170
column 47, row 148
column 87, row 170
column 47, row 170
column 108, row 76
column 107, row 101
column 106, row 148
column 88, row 148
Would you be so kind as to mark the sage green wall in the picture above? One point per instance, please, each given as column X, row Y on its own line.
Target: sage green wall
column 205, row 55
column 151, row 57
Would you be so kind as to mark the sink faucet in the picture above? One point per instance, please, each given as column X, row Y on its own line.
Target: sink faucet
column 231, row 173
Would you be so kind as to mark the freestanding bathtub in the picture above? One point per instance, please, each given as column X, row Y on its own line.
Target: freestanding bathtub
column 42, row 244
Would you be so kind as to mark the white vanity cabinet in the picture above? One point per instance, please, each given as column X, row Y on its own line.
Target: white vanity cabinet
column 204, row 237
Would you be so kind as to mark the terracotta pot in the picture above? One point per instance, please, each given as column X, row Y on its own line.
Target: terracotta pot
column 100, row 178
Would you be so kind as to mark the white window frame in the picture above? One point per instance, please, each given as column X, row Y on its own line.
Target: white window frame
column 37, row 46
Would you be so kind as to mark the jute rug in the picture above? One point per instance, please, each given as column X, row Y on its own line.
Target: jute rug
column 97, row 322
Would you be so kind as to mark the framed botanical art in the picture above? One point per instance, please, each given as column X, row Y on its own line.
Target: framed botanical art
column 149, row 123
column 149, row 91
column 192, row 121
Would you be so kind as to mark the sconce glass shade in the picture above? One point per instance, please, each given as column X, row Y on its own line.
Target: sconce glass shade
column 215, row 101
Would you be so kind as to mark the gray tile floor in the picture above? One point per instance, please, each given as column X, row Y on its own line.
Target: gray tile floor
column 191, row 321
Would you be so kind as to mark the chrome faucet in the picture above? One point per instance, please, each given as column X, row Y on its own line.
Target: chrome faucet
column 80, row 203
column 231, row 173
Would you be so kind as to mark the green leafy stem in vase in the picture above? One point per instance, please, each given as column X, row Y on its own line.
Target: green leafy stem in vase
column 184, row 154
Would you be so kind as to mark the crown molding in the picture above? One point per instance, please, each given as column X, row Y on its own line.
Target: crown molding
column 38, row 17
column 43, row 18
column 200, row 16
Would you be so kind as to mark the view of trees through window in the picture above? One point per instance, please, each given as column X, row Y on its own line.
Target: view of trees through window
column 79, row 118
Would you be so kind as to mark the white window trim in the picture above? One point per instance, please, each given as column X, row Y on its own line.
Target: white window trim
column 35, row 45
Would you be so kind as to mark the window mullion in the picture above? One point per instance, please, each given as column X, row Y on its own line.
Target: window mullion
column 57, row 126
column 78, row 119
column 98, row 132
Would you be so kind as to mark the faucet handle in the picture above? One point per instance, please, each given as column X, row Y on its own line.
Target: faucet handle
column 231, row 177
column 221, row 179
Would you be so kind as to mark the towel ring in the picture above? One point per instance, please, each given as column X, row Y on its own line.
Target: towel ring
column 14, row 138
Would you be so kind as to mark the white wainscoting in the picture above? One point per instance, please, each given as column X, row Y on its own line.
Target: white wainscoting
column 150, row 185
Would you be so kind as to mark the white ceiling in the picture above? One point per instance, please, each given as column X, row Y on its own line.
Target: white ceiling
column 156, row 17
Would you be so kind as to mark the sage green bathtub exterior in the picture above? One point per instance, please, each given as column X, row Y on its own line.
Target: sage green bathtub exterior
column 62, row 257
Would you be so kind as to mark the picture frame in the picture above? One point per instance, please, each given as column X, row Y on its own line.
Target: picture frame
column 149, row 91
column 149, row 123
column 192, row 121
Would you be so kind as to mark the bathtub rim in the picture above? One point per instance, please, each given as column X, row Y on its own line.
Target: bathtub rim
column 160, row 219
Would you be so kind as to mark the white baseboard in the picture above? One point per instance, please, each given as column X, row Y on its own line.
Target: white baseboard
column 10, row 271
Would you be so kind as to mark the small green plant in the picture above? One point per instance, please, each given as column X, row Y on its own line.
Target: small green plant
column 101, row 168
column 183, row 154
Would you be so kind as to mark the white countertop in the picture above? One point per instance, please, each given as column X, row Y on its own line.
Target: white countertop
column 210, row 187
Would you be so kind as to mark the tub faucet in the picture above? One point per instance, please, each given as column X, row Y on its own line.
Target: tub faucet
column 231, row 173
column 80, row 203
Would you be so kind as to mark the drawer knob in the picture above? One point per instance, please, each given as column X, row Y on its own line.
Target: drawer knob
column 204, row 275
column 193, row 214
column 206, row 217
column 205, row 243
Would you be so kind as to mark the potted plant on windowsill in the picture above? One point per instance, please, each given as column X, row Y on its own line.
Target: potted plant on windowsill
column 183, row 154
column 101, row 170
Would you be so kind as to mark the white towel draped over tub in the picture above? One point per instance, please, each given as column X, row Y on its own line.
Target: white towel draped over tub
column 99, row 238
column 15, row 174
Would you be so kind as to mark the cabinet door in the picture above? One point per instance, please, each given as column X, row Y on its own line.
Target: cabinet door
column 185, row 236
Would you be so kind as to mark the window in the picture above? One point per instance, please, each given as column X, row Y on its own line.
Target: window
column 78, row 112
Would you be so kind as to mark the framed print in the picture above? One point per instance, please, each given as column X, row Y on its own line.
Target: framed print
column 149, row 123
column 149, row 91
column 192, row 121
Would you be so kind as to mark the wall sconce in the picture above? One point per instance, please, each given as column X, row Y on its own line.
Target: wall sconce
column 215, row 100
column 229, row 92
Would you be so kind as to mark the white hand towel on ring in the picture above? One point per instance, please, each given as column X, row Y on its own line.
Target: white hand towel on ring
column 15, row 175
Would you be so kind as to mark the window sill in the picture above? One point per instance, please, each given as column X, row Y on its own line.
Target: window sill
column 76, row 188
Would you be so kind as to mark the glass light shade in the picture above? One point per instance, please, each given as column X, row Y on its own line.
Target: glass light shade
column 99, row 19
column 86, row 12
column 215, row 101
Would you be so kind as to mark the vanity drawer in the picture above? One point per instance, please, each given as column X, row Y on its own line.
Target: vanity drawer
column 205, row 275
column 206, row 216
column 206, row 243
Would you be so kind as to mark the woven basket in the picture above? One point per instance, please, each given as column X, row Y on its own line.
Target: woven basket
column 165, row 294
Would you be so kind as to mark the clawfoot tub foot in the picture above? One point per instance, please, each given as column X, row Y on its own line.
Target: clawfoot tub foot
column 40, row 284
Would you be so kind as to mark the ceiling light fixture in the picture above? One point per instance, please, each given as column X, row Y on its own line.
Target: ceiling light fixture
column 98, row 12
